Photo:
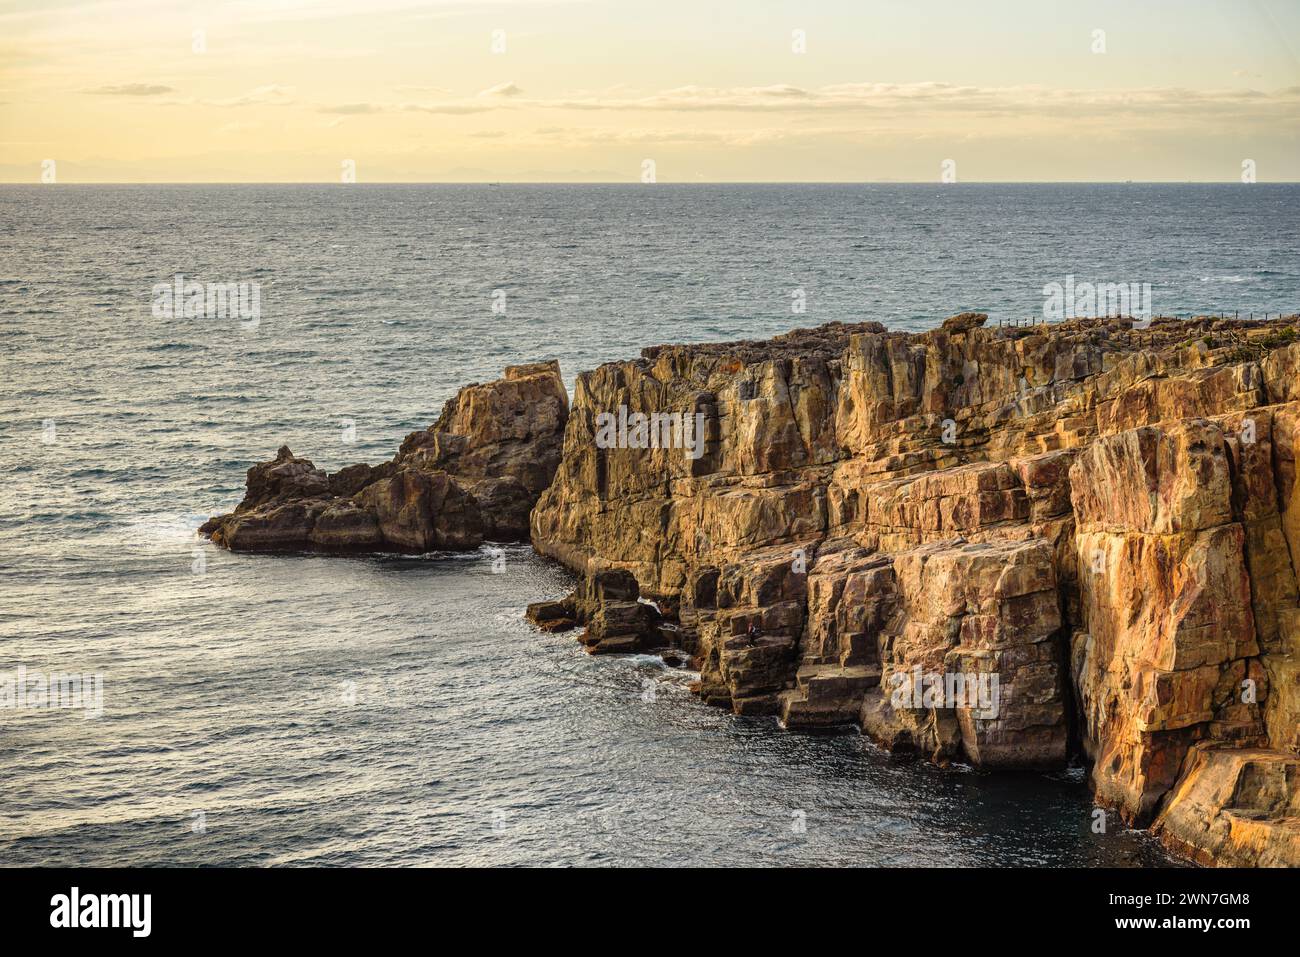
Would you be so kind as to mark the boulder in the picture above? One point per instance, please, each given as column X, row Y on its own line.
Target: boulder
column 964, row 321
column 617, row 621
column 1235, row 807
column 553, row 616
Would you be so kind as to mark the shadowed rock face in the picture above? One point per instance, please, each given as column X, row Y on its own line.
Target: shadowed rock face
column 877, row 524
column 471, row 477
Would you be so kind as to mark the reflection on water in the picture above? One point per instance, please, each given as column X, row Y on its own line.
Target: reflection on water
column 302, row 710
column 399, row 711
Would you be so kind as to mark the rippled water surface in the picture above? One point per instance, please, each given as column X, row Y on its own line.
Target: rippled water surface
column 390, row 710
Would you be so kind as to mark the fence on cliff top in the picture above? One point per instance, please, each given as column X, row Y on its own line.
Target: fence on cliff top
column 1010, row 322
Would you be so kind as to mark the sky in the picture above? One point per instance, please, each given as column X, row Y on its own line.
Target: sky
column 627, row 90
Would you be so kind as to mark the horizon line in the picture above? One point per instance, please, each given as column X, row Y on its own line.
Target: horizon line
column 719, row 182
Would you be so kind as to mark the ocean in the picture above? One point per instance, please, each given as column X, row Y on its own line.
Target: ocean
column 392, row 710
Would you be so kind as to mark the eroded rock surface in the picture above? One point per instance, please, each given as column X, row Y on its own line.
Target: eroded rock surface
column 1237, row 807
column 471, row 477
column 1101, row 517
column 609, row 604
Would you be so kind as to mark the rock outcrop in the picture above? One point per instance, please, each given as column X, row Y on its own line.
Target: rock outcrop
column 1235, row 806
column 471, row 477
column 1003, row 546
column 609, row 604
column 1006, row 546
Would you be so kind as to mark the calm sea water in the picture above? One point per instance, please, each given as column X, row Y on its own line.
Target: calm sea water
column 392, row 710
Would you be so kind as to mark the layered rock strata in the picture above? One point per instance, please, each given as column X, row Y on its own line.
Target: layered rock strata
column 471, row 477
column 1002, row 546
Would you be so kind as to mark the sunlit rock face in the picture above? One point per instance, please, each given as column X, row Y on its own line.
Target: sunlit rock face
column 1168, row 636
column 875, row 525
column 471, row 477
column 1235, row 807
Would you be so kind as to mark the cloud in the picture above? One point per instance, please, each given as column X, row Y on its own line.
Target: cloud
column 876, row 107
column 133, row 89
column 669, row 136
column 453, row 109
column 272, row 94
column 903, row 102
column 932, row 97
column 502, row 89
column 353, row 109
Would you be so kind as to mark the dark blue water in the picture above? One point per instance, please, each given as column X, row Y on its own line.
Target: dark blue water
column 395, row 710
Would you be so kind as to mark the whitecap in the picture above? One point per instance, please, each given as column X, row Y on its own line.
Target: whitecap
column 642, row 659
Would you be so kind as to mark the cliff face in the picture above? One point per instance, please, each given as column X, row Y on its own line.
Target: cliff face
column 998, row 545
column 1002, row 546
column 471, row 477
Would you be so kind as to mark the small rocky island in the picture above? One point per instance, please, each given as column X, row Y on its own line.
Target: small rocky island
column 1098, row 515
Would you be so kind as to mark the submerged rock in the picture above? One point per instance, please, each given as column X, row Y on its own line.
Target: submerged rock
column 471, row 477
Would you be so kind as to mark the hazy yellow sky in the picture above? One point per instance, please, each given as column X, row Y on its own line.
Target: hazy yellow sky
column 567, row 90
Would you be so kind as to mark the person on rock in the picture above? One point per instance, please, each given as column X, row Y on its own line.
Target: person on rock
column 753, row 633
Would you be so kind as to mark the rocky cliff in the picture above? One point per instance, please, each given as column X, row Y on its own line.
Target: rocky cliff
column 471, row 477
column 999, row 545
column 1004, row 546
